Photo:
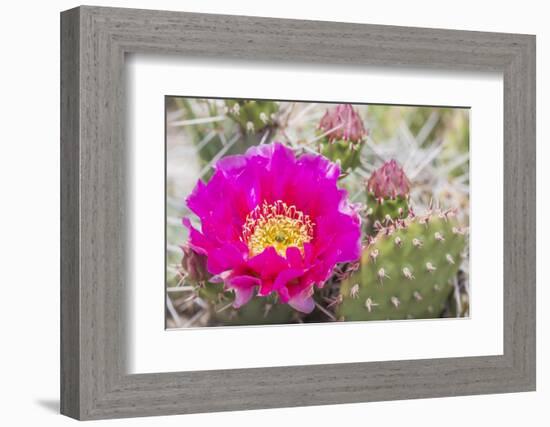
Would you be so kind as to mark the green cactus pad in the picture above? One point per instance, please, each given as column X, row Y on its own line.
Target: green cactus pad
column 258, row 311
column 346, row 152
column 406, row 272
column 252, row 115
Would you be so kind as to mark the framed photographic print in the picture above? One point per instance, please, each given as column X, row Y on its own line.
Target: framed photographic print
column 298, row 212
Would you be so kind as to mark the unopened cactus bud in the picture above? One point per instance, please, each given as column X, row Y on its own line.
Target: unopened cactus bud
column 389, row 181
column 387, row 194
column 194, row 266
column 343, row 123
column 342, row 134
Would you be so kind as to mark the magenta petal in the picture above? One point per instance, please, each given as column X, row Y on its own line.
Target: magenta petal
column 294, row 257
column 284, row 163
column 286, row 276
column 268, row 263
column 242, row 296
column 224, row 258
column 302, row 302
column 265, row 150
column 243, row 286
column 330, row 170
column 284, row 295
column 197, row 241
column 200, row 200
column 231, row 164
column 265, row 288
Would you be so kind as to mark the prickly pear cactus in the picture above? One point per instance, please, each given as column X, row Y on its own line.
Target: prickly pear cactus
column 406, row 271
column 251, row 115
column 387, row 194
column 342, row 134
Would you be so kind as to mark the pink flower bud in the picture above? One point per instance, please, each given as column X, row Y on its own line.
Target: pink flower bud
column 389, row 181
column 194, row 265
column 343, row 123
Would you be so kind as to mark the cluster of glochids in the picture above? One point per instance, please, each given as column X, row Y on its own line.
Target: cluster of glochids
column 409, row 263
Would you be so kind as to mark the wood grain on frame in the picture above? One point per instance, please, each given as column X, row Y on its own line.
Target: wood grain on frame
column 94, row 234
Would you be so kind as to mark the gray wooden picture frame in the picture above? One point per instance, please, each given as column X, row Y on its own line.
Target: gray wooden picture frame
column 94, row 42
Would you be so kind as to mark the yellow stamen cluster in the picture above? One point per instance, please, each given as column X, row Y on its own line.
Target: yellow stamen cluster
column 277, row 225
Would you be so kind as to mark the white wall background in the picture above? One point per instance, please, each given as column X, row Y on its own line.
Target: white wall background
column 29, row 224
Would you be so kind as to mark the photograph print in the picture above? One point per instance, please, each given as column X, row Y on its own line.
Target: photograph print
column 288, row 212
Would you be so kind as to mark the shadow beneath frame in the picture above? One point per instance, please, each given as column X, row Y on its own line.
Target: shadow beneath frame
column 52, row 405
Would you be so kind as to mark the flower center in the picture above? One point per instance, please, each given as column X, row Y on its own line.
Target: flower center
column 277, row 225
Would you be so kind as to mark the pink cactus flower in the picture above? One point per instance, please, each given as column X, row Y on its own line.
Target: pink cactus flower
column 272, row 222
column 389, row 181
column 343, row 123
